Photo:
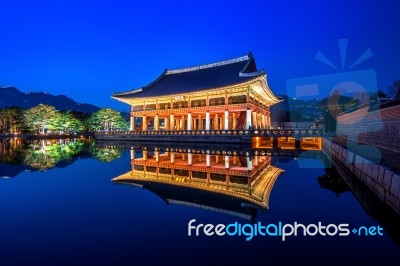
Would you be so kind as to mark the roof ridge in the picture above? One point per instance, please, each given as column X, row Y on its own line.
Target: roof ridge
column 220, row 63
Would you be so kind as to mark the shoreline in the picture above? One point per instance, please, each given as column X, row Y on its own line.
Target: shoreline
column 30, row 136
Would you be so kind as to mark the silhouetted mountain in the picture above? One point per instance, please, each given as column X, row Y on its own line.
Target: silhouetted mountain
column 10, row 96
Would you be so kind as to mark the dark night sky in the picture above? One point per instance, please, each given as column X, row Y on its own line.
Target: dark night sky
column 89, row 50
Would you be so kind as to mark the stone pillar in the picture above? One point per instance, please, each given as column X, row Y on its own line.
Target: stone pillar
column 208, row 160
column 144, row 155
column 190, row 158
column 207, row 120
column 132, row 124
column 157, row 154
column 132, row 152
column 269, row 121
column 216, row 126
column 171, row 122
column 227, row 166
column 216, row 159
column 226, row 124
column 189, row 121
column 249, row 164
column 248, row 119
column 144, row 123
column 156, row 122
column 234, row 121
column 172, row 155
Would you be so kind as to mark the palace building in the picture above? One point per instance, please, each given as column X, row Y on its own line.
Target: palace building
column 226, row 95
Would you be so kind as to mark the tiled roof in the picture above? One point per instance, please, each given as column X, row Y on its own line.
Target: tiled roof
column 198, row 78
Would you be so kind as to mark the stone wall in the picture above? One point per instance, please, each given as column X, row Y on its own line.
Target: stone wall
column 183, row 138
column 379, row 128
column 382, row 181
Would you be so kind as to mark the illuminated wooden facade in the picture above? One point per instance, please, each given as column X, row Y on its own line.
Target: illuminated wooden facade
column 227, row 95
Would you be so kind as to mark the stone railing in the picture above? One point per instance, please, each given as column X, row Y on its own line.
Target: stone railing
column 179, row 132
column 287, row 133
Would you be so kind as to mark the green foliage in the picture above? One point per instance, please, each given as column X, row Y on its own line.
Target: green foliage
column 106, row 119
column 41, row 118
column 44, row 119
column 45, row 154
column 105, row 154
column 67, row 123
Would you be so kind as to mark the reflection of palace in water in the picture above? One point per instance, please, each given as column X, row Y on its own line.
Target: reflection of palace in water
column 235, row 177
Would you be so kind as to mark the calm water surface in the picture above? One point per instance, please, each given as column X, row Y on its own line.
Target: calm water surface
column 59, row 206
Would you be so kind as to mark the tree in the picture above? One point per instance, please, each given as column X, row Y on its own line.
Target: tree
column 11, row 120
column 65, row 122
column 394, row 89
column 41, row 118
column 106, row 119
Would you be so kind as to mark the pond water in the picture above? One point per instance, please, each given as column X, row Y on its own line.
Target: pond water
column 59, row 206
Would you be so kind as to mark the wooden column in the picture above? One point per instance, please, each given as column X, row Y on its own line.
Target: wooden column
column 171, row 122
column 234, row 121
column 216, row 126
column 166, row 123
column 156, row 122
column 144, row 123
column 182, row 123
column 207, row 120
column 254, row 118
column 200, row 125
column 189, row 121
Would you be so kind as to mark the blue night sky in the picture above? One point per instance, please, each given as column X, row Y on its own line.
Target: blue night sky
column 89, row 50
